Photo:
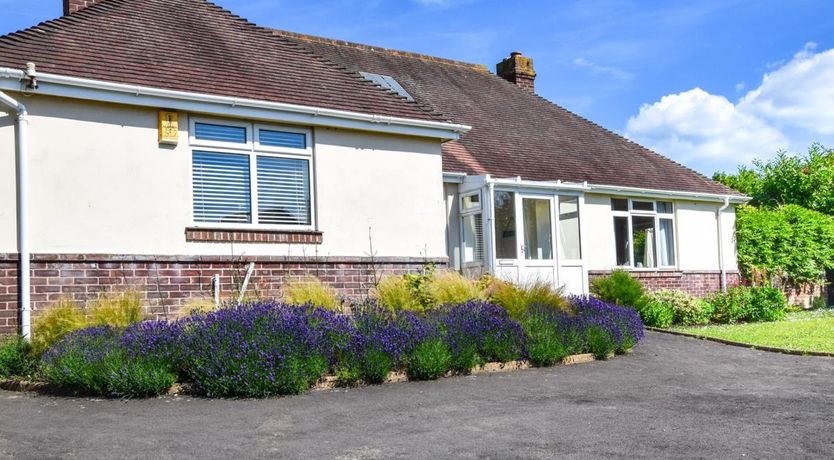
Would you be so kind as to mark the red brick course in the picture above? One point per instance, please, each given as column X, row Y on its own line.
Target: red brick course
column 168, row 282
column 253, row 236
column 696, row 283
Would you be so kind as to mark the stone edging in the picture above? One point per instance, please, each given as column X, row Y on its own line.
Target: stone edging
column 786, row 351
column 326, row 383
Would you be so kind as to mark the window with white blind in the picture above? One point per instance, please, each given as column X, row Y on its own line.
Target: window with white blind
column 246, row 174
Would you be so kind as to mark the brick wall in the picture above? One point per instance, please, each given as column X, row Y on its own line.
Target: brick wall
column 166, row 283
column 697, row 283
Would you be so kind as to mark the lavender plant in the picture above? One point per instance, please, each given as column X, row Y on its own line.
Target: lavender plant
column 604, row 323
column 477, row 332
column 256, row 350
column 94, row 360
column 384, row 339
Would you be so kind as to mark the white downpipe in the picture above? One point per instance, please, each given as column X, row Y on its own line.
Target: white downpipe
column 246, row 281
column 22, row 214
column 216, row 284
column 721, row 244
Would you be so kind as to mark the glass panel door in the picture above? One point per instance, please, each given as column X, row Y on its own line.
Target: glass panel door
column 538, row 241
column 505, row 239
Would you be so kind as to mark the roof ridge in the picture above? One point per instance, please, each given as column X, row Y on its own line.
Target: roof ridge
column 380, row 49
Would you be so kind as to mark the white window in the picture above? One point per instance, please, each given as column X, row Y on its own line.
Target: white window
column 246, row 174
column 644, row 233
column 569, row 238
column 472, row 229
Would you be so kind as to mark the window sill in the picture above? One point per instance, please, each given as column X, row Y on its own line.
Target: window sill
column 223, row 235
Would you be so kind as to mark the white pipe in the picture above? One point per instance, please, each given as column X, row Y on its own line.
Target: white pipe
column 721, row 243
column 86, row 88
column 22, row 214
column 246, row 281
column 216, row 290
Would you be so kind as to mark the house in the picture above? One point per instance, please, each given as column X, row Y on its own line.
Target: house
column 166, row 145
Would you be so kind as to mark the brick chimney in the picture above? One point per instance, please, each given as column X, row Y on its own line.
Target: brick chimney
column 517, row 69
column 74, row 6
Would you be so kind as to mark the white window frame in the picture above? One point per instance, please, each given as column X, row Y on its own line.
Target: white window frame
column 464, row 213
column 657, row 217
column 254, row 150
column 208, row 144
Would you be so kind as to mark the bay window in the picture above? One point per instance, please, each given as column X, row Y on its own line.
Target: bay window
column 644, row 233
column 251, row 175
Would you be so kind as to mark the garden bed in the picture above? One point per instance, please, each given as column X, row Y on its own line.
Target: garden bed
column 270, row 348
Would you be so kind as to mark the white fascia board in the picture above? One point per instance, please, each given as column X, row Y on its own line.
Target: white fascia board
column 454, row 177
column 668, row 194
column 118, row 93
column 618, row 191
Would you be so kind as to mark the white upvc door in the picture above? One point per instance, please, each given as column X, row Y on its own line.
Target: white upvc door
column 525, row 236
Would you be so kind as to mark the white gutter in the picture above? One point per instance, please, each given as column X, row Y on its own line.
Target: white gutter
column 546, row 185
column 656, row 193
column 118, row 93
column 604, row 189
column 721, row 243
column 22, row 214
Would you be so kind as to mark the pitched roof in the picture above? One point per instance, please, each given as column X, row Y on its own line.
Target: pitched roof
column 196, row 46
column 514, row 133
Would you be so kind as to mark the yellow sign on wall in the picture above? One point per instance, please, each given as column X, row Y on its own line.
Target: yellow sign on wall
column 168, row 127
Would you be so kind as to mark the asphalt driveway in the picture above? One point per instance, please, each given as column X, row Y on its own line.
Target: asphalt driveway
column 673, row 397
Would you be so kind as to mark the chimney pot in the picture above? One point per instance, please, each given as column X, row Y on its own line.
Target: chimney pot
column 518, row 69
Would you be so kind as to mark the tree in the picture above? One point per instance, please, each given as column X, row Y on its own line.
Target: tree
column 787, row 230
column 805, row 180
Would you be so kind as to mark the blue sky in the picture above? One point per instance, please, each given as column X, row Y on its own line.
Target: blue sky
column 709, row 83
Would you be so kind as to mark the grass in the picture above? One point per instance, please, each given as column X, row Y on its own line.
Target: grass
column 802, row 331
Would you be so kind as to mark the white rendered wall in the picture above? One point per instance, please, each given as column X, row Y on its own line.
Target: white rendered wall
column 696, row 234
column 101, row 184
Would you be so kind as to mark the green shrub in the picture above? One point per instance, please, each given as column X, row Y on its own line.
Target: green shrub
column 448, row 286
column 375, row 365
column 311, row 291
column 620, row 288
column 600, row 342
column 94, row 361
column 16, row 358
column 119, row 310
column 518, row 299
column 731, row 306
column 687, row 310
column 465, row 359
column 394, row 292
column 767, row 304
column 545, row 347
column 430, row 360
column 347, row 376
column 656, row 314
column 54, row 323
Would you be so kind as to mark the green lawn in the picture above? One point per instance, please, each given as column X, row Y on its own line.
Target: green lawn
column 804, row 331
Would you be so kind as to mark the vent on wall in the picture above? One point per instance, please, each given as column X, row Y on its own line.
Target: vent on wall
column 388, row 83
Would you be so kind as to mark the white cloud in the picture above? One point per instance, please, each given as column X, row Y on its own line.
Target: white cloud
column 695, row 127
column 791, row 108
column 799, row 94
column 619, row 74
